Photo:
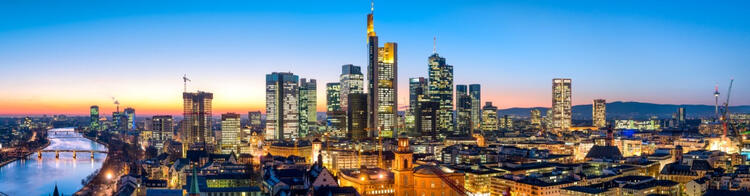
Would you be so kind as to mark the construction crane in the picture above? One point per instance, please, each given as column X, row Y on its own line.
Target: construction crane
column 725, row 111
column 185, row 79
column 452, row 184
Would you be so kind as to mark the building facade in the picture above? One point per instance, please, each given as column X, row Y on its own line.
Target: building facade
column 599, row 113
column 333, row 96
column 489, row 117
column 463, row 107
column 357, row 116
column 476, row 106
column 282, row 106
column 561, row 104
column 441, row 90
column 196, row 125
column 308, row 103
column 230, row 133
column 94, row 118
column 352, row 81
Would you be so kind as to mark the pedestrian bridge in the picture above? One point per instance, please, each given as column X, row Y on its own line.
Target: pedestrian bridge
column 75, row 152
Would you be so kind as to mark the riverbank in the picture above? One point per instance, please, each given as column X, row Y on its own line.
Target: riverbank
column 94, row 185
column 25, row 155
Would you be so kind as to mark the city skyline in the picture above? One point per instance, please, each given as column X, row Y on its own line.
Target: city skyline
column 146, row 76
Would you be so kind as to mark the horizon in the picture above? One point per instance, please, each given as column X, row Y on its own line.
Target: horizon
column 63, row 60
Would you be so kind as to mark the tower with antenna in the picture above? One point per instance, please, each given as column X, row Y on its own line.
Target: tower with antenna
column 716, row 96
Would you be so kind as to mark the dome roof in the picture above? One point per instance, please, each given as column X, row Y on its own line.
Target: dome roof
column 425, row 169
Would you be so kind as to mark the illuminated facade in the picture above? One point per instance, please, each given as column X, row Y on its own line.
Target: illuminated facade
column 489, row 117
column 536, row 118
column 352, row 81
column 94, row 120
column 230, row 133
column 463, row 107
column 599, row 113
column 636, row 124
column 357, row 116
column 382, row 76
column 368, row 181
column 333, row 96
column 441, row 90
column 561, row 104
column 426, row 118
column 130, row 114
column 282, row 106
column 196, row 125
column 161, row 127
column 417, row 95
column 254, row 119
column 308, row 103
column 476, row 106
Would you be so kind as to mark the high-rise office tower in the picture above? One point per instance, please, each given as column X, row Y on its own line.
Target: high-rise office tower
column 476, row 106
column 254, row 119
column 382, row 81
column 161, row 130
column 561, row 104
column 426, row 118
column 282, row 106
column 196, row 125
column 94, row 118
column 506, row 122
column 598, row 113
column 441, row 90
column 536, row 118
column 130, row 113
column 463, row 114
column 357, row 116
column 352, row 81
column 333, row 96
column 230, row 132
column 489, row 117
column 417, row 95
column 681, row 115
column 308, row 110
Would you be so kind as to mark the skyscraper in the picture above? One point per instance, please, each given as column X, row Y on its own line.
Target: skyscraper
column 352, row 81
column 426, row 118
column 230, row 132
column 196, row 125
column 463, row 107
column 561, row 104
column 94, row 118
column 333, row 96
column 308, row 119
column 357, row 116
column 130, row 113
column 441, row 90
column 681, row 116
column 254, row 119
column 282, row 106
column 536, row 118
column 161, row 130
column 598, row 113
column 476, row 106
column 489, row 117
column 417, row 95
column 382, row 81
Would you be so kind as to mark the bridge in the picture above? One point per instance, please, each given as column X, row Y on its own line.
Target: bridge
column 75, row 152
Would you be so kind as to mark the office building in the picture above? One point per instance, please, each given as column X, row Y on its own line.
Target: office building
column 254, row 119
column 561, row 104
column 196, row 125
column 681, row 116
column 130, row 114
column 536, row 119
column 230, row 133
column 161, row 130
column 357, row 116
column 417, row 95
column 382, row 80
column 333, row 97
column 441, row 90
column 94, row 118
column 308, row 119
column 282, row 106
column 599, row 113
column 476, row 106
column 426, row 119
column 463, row 107
column 489, row 117
column 352, row 81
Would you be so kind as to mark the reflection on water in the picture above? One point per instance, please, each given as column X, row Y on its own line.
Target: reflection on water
column 35, row 176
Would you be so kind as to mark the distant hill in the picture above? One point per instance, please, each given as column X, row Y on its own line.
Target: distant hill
column 632, row 110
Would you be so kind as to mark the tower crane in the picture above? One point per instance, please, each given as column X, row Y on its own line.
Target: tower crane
column 725, row 111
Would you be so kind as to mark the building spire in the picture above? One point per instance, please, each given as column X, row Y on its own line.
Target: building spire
column 372, row 6
column 434, row 45
column 370, row 23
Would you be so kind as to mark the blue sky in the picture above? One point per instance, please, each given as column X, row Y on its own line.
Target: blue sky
column 60, row 56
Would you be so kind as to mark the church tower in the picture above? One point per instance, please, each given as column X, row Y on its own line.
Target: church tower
column 403, row 168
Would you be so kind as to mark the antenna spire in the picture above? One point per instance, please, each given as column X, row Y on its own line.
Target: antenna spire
column 434, row 45
column 372, row 6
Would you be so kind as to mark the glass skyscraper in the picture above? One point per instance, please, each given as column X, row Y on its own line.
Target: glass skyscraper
column 130, row 114
column 357, row 116
column 489, row 117
column 417, row 95
column 352, row 81
column 308, row 119
column 476, row 106
column 94, row 118
column 441, row 91
column 230, row 133
column 382, row 79
column 599, row 113
column 161, row 130
column 463, row 107
column 561, row 104
column 282, row 106
column 333, row 97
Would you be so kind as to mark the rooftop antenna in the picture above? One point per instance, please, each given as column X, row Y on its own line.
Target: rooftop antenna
column 372, row 6
column 434, row 45
column 185, row 80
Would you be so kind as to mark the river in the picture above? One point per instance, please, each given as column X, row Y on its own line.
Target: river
column 34, row 176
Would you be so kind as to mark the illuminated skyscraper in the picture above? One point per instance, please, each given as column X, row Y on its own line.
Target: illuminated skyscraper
column 230, row 132
column 196, row 125
column 561, row 104
column 308, row 119
column 161, row 130
column 489, row 117
column 357, row 116
column 476, row 106
column 441, row 90
column 352, row 81
column 333, row 96
column 417, row 95
column 282, row 106
column 382, row 81
column 681, row 116
column 94, row 119
column 536, row 118
column 463, row 107
column 130, row 113
column 598, row 113
column 426, row 118
column 254, row 119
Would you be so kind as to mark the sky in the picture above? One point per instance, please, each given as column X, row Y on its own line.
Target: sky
column 60, row 57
